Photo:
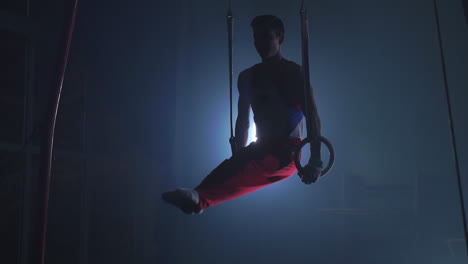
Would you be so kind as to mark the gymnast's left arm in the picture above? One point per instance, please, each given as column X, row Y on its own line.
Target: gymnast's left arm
column 312, row 116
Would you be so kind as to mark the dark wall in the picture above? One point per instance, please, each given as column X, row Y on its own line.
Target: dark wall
column 144, row 108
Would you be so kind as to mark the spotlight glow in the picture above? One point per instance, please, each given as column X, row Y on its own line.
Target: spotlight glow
column 253, row 133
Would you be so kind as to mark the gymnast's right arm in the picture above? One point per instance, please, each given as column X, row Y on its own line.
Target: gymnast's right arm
column 243, row 112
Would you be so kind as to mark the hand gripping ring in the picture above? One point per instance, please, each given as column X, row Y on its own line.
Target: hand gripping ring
column 308, row 140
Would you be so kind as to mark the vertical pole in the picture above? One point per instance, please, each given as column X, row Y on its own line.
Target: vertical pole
column 452, row 129
column 47, row 143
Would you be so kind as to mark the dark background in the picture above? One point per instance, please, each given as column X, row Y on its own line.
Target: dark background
column 145, row 109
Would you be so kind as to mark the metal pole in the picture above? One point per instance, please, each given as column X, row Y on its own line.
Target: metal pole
column 452, row 129
column 47, row 143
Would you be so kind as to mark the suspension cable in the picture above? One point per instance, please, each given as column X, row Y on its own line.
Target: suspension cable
column 229, row 18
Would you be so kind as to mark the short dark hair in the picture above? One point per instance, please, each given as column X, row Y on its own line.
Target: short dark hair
column 269, row 21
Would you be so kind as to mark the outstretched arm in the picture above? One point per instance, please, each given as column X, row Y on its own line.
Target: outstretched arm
column 316, row 127
column 243, row 112
column 312, row 116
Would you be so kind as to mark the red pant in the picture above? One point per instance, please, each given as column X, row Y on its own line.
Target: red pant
column 253, row 167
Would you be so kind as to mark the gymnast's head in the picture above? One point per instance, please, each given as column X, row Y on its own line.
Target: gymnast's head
column 268, row 33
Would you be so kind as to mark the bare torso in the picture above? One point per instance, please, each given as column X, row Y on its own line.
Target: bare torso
column 274, row 92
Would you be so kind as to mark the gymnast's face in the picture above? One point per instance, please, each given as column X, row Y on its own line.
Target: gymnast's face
column 267, row 42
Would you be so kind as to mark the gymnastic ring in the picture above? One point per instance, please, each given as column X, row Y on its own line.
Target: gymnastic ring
column 327, row 143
